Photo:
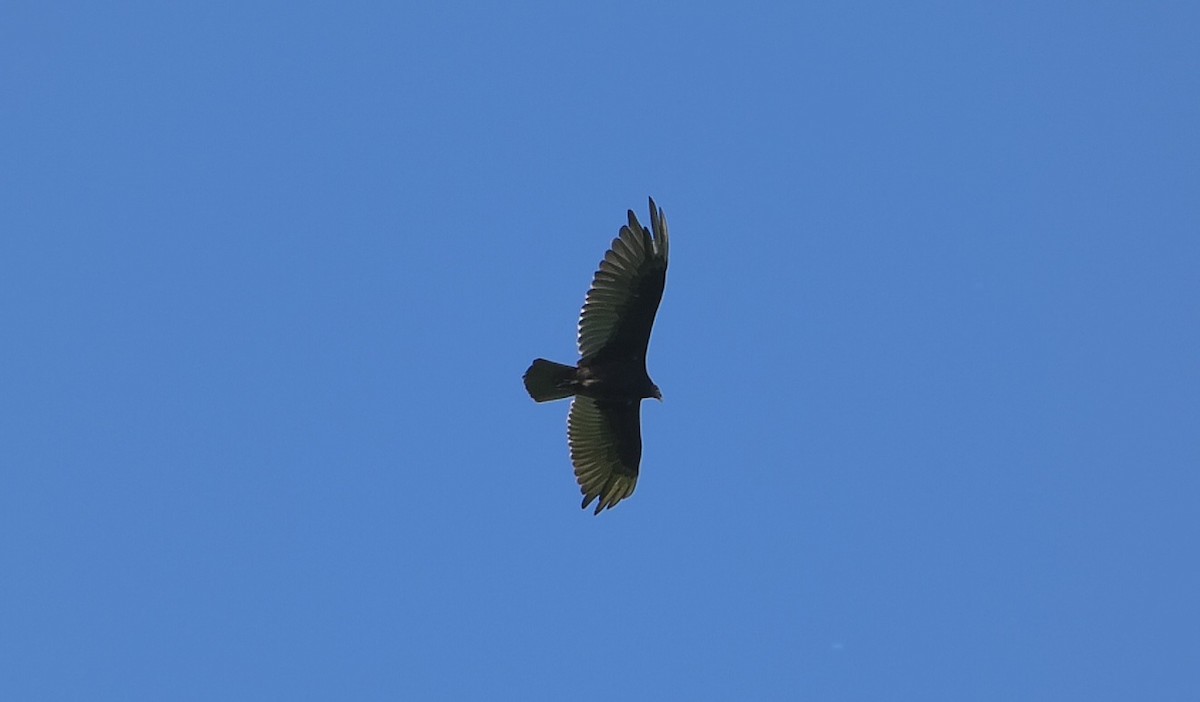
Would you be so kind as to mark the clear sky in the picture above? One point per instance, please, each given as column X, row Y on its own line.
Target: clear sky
column 270, row 274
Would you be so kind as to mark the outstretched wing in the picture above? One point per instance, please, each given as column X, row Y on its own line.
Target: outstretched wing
column 606, row 446
column 620, row 306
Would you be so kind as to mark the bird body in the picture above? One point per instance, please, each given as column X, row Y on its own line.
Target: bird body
column 547, row 380
column 610, row 380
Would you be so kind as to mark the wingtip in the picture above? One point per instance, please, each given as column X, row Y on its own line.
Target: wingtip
column 601, row 501
column 658, row 227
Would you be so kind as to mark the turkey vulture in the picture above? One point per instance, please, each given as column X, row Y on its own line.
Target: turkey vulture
column 609, row 383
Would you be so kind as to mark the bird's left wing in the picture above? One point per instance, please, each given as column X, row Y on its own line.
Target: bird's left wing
column 606, row 447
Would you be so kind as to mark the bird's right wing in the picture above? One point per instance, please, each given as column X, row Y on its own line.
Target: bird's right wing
column 606, row 447
column 623, row 300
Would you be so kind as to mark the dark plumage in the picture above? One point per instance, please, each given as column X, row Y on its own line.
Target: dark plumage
column 610, row 381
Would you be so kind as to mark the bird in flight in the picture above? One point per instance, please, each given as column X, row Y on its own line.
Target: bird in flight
column 609, row 382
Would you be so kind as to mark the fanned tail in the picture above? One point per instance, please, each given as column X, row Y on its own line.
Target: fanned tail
column 547, row 380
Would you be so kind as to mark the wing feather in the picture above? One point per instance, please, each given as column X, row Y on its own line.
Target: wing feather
column 606, row 447
column 623, row 300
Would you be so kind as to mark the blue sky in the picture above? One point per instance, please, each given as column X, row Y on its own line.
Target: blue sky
column 270, row 274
